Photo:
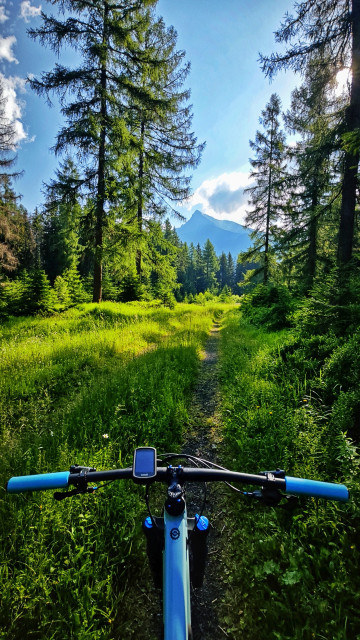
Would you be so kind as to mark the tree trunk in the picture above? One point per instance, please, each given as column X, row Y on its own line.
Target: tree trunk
column 140, row 200
column 268, row 211
column 312, row 251
column 100, row 197
column 351, row 161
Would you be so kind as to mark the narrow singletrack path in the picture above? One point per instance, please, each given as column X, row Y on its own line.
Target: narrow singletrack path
column 203, row 440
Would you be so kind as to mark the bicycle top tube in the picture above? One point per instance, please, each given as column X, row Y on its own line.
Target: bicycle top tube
column 81, row 476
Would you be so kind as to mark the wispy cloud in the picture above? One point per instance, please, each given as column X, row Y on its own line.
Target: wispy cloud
column 13, row 106
column 3, row 16
column 223, row 197
column 6, row 45
column 28, row 11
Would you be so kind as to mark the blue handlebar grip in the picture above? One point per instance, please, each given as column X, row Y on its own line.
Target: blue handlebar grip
column 316, row 489
column 58, row 480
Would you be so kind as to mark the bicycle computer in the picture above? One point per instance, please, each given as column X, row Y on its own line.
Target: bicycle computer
column 144, row 467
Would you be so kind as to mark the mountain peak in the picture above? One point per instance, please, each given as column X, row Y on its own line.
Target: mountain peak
column 226, row 235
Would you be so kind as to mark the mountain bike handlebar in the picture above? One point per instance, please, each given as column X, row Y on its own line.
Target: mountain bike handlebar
column 81, row 476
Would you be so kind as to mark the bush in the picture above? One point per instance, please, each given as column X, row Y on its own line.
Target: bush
column 3, row 301
column 269, row 305
column 332, row 307
column 75, row 286
column 61, row 289
column 30, row 294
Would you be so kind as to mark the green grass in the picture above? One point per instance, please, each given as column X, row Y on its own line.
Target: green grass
column 291, row 575
column 86, row 387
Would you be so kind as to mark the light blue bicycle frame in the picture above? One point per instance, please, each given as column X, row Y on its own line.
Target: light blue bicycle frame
column 176, row 578
column 176, row 566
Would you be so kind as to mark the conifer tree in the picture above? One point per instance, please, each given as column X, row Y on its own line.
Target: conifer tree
column 16, row 238
column 15, row 235
column 268, row 173
column 210, row 266
column 185, row 272
column 94, row 95
column 199, row 271
column 159, row 119
column 230, row 271
column 62, row 218
column 226, row 273
column 222, row 275
column 332, row 27
column 312, row 185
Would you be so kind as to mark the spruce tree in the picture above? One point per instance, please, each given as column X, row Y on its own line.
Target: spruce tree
column 159, row 120
column 312, row 184
column 199, row 268
column 94, row 96
column 332, row 27
column 61, row 247
column 222, row 275
column 268, row 174
column 210, row 265
column 230, row 271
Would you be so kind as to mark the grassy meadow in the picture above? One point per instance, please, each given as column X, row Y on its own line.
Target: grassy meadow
column 87, row 387
column 90, row 384
column 291, row 574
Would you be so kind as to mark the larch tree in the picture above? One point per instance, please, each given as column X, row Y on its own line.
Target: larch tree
column 332, row 27
column 267, row 174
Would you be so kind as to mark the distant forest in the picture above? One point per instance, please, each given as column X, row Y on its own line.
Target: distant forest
column 128, row 150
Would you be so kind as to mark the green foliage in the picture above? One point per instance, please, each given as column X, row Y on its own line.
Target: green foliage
column 62, row 291
column 225, row 295
column 87, row 386
column 266, row 194
column 351, row 141
column 3, row 301
column 30, row 294
column 75, row 286
column 69, row 288
column 332, row 305
column 291, row 575
column 131, row 288
column 269, row 305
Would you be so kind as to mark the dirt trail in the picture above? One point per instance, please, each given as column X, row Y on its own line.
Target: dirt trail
column 203, row 440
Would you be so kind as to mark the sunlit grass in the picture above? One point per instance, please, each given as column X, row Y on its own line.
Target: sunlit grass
column 291, row 575
column 86, row 387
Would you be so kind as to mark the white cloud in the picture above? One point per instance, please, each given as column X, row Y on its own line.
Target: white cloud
column 28, row 11
column 13, row 106
column 3, row 16
column 5, row 49
column 223, row 197
column 343, row 80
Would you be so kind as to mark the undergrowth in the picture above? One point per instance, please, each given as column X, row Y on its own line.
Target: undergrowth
column 87, row 387
column 291, row 574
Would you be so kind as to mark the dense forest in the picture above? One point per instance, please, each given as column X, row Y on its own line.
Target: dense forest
column 103, row 232
column 104, row 313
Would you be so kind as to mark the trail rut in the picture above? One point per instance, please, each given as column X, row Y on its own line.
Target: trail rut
column 203, row 440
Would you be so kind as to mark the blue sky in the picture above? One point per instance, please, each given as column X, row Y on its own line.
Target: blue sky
column 222, row 40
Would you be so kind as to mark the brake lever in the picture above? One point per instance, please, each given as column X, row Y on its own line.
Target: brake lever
column 272, row 498
column 61, row 495
column 269, row 497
